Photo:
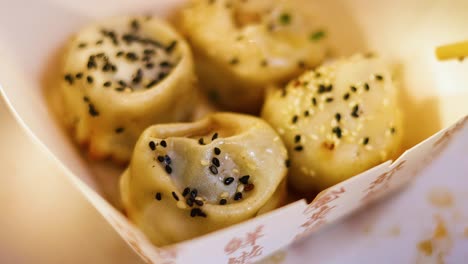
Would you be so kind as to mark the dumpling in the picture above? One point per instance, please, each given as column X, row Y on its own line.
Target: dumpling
column 188, row 179
column 337, row 121
column 120, row 76
column 240, row 47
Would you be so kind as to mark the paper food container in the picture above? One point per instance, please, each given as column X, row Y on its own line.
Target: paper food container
column 434, row 99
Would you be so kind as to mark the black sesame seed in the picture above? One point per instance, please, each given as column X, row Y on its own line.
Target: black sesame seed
column 234, row 61
column 79, row 75
column 171, row 46
column 294, row 119
column 131, row 56
column 158, row 196
column 89, row 79
column 329, row 100
column 99, row 42
column 366, row 87
column 119, row 130
column 82, row 45
column 337, row 131
column 86, row 99
column 314, row 101
column 287, row 163
column 285, row 19
column 194, row 193
column 119, row 53
column 378, row 77
column 160, row 158
column 228, row 180
column 168, row 169
column 215, row 162
column 201, row 141
column 122, row 83
column 175, row 196
column 298, row 148
column 163, row 143
column 215, row 136
column 107, row 84
column 222, row 201
column 217, row 151
column 186, row 191
column 283, row 92
column 167, row 159
column 92, row 110
column 195, row 212
column 152, row 145
column 301, row 64
column 149, row 51
column 69, row 78
column 152, row 83
column 355, row 111
column 264, row 63
column 297, row 138
column 346, row 96
column 162, row 75
column 306, row 113
column 189, row 201
column 199, row 202
column 149, row 65
column 134, row 24
column 338, row 117
column 365, row 141
column 165, row 64
column 119, row 89
column 392, row 130
column 138, row 75
column 237, row 196
column 244, row 179
column 91, row 63
column 213, row 169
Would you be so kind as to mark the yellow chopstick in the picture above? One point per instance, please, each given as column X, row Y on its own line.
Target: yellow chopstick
column 452, row 51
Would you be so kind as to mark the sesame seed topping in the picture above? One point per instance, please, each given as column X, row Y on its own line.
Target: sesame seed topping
column 92, row 110
column 134, row 24
column 298, row 148
column 131, row 56
column 365, row 141
column 213, row 169
column 215, row 162
column 167, row 159
column 392, row 130
column 168, row 169
column 163, row 143
column 197, row 212
column 152, row 145
column 244, row 179
column 158, row 196
column 353, row 89
column 82, row 45
column 186, row 191
column 107, row 84
column 194, row 193
column 215, row 136
column 119, row 130
column 314, row 101
column 149, row 66
column 294, row 119
column 378, row 77
column 355, row 111
column 175, row 196
column 79, row 75
column 287, row 163
column 201, row 141
column 329, row 100
column 285, row 19
column 199, row 202
column 228, row 180
column 338, row 117
column 337, row 131
column 160, row 158
column 189, row 201
column 69, row 78
column 89, row 79
column 217, row 151
column 366, row 87
column 223, row 201
column 306, row 113
column 297, row 138
column 237, row 196
column 234, row 61
column 171, row 46
column 346, row 96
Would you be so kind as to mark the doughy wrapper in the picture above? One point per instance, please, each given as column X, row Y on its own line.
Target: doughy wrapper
column 434, row 96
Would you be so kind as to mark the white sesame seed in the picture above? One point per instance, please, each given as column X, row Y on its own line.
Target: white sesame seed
column 240, row 188
column 181, row 205
column 204, row 162
column 224, row 195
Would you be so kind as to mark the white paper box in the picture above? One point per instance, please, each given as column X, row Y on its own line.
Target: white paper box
column 435, row 95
